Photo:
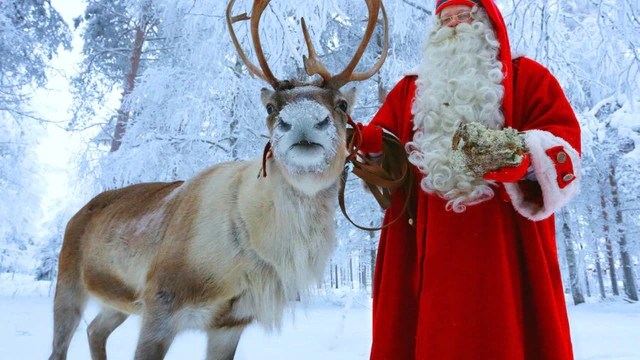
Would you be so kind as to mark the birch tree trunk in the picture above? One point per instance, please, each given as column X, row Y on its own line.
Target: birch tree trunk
column 363, row 268
column 234, row 121
column 629, row 282
column 587, row 283
column 331, row 275
column 372, row 254
column 609, row 246
column 351, row 272
column 576, row 291
column 603, row 294
column 382, row 91
column 596, row 256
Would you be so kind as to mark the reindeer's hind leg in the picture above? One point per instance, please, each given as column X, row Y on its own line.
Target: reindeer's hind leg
column 71, row 295
column 68, row 305
column 100, row 328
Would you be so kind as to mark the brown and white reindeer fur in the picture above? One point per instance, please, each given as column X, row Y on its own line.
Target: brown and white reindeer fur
column 220, row 250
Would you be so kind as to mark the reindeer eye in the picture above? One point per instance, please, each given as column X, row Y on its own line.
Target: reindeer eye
column 342, row 105
column 270, row 109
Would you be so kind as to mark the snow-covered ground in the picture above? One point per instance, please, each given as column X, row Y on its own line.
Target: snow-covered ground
column 322, row 330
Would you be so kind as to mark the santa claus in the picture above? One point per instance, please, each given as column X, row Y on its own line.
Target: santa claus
column 475, row 274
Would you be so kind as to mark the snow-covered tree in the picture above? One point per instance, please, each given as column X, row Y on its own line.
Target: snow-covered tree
column 20, row 191
column 120, row 38
column 31, row 33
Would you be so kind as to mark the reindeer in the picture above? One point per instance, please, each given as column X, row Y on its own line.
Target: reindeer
column 226, row 247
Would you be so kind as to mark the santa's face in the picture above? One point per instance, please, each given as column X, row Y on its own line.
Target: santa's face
column 453, row 15
column 459, row 80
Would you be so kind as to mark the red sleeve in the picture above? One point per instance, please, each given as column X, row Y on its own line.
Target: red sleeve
column 388, row 117
column 552, row 135
column 545, row 106
column 392, row 111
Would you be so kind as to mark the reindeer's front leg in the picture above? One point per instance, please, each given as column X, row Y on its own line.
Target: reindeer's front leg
column 158, row 329
column 222, row 342
column 225, row 329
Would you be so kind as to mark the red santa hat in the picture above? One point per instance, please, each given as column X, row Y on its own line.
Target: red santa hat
column 441, row 4
column 500, row 29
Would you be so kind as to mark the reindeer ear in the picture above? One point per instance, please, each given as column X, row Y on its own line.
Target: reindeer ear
column 266, row 96
column 350, row 97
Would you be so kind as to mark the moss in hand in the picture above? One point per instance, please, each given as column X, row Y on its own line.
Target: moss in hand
column 481, row 149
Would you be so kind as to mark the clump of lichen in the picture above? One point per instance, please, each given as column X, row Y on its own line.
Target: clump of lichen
column 486, row 149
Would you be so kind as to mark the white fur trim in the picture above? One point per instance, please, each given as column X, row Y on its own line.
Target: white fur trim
column 553, row 197
column 412, row 71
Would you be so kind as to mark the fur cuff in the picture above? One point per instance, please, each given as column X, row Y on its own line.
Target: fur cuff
column 557, row 167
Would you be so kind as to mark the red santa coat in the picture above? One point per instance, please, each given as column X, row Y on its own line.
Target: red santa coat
column 485, row 283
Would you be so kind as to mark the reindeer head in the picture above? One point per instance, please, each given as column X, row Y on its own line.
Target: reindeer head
column 307, row 121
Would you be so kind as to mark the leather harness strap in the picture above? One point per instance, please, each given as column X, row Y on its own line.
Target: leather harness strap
column 266, row 154
column 383, row 179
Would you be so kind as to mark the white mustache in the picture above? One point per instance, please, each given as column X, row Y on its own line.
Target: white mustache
column 449, row 33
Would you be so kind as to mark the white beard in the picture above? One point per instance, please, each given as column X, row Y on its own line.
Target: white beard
column 459, row 80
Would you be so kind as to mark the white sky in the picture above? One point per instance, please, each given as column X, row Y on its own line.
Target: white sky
column 57, row 149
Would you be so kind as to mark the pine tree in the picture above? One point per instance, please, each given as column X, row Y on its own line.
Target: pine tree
column 120, row 38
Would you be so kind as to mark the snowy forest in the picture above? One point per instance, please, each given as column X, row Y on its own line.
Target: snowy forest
column 160, row 93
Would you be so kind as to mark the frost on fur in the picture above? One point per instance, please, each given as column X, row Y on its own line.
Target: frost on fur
column 303, row 120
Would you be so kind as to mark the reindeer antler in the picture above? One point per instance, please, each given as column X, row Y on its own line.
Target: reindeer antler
column 313, row 65
column 256, row 12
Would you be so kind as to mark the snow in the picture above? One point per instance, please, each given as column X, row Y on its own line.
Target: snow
column 628, row 126
column 321, row 330
column 608, row 330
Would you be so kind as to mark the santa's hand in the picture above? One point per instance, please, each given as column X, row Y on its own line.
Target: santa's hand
column 510, row 174
column 371, row 138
